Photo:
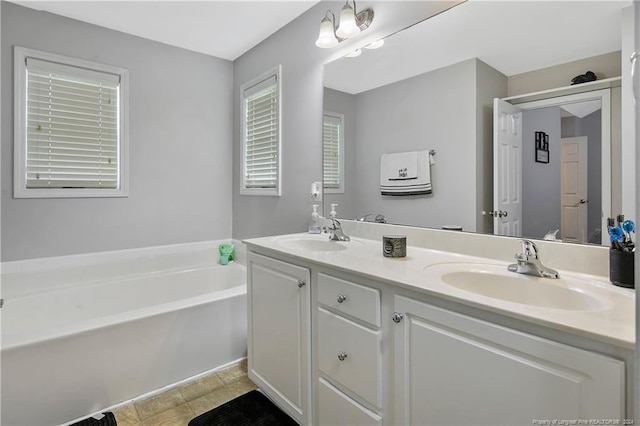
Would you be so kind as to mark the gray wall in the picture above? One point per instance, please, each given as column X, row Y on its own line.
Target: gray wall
column 180, row 144
column 293, row 47
column 540, row 181
column 449, row 110
column 591, row 127
column 435, row 110
column 345, row 104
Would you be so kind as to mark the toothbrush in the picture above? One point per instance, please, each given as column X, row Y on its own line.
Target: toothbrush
column 615, row 235
column 628, row 226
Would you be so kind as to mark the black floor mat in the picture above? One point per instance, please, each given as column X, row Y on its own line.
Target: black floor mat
column 250, row 409
column 108, row 420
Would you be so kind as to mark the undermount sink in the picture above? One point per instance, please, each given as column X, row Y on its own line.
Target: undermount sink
column 495, row 281
column 313, row 243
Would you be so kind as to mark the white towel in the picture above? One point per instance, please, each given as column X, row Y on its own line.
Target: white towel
column 419, row 185
column 400, row 165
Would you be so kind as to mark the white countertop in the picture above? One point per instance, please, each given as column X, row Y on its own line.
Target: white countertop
column 612, row 322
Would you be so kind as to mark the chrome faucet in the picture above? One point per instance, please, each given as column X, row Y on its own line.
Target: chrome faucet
column 335, row 231
column 528, row 262
column 364, row 218
column 378, row 219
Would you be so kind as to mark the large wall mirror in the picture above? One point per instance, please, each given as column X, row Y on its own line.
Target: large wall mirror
column 429, row 90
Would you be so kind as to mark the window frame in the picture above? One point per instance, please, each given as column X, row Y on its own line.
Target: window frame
column 277, row 191
column 20, row 189
column 341, row 149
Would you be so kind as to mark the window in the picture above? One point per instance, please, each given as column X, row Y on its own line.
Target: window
column 70, row 127
column 333, row 152
column 261, row 135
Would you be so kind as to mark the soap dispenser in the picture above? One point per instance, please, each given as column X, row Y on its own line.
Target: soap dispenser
column 332, row 213
column 315, row 226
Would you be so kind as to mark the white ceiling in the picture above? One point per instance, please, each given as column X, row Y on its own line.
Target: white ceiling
column 225, row 29
column 512, row 36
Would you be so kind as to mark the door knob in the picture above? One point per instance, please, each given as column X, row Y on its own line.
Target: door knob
column 496, row 213
column 301, row 283
column 397, row 317
column 341, row 298
column 342, row 356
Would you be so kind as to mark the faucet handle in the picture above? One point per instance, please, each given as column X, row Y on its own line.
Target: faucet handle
column 529, row 248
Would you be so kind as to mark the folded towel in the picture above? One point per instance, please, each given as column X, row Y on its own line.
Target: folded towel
column 400, row 165
column 420, row 185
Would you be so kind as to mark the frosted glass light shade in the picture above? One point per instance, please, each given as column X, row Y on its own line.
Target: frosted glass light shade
column 326, row 38
column 348, row 27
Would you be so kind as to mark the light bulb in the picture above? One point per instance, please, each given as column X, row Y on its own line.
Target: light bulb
column 326, row 37
column 348, row 27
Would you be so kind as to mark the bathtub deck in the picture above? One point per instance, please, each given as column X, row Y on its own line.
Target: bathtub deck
column 177, row 406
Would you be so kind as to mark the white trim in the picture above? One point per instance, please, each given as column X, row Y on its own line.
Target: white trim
column 607, row 83
column 604, row 96
column 277, row 191
column 83, row 259
column 158, row 391
column 19, row 118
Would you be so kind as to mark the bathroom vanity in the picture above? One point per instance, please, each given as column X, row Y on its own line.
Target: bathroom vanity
column 339, row 334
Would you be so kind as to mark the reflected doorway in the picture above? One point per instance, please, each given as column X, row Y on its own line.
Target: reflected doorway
column 565, row 188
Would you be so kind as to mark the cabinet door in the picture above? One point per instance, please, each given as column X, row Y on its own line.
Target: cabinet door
column 278, row 342
column 337, row 409
column 454, row 369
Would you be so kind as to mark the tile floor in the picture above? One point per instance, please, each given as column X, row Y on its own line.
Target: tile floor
column 177, row 406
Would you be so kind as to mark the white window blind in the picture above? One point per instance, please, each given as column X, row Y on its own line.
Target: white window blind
column 261, row 136
column 332, row 151
column 72, row 127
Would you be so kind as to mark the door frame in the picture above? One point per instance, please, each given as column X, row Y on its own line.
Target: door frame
column 604, row 95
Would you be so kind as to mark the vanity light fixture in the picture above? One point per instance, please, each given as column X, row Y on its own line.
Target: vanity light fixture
column 353, row 54
column 351, row 24
column 375, row 44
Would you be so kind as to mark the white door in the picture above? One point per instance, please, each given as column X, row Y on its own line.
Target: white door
column 450, row 369
column 278, row 333
column 507, row 176
column 573, row 216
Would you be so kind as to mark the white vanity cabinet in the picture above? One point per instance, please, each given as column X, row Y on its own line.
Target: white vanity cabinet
column 348, row 352
column 278, row 332
column 455, row 369
column 335, row 348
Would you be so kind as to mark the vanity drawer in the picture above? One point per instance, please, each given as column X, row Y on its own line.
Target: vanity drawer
column 350, row 298
column 336, row 408
column 351, row 355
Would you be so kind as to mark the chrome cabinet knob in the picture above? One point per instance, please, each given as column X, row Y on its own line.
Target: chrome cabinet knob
column 341, row 298
column 397, row 317
column 301, row 283
column 342, row 356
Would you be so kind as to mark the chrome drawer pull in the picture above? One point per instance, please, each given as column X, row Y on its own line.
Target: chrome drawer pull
column 341, row 298
column 301, row 283
column 342, row 356
column 397, row 317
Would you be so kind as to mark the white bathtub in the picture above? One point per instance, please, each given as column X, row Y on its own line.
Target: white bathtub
column 79, row 339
